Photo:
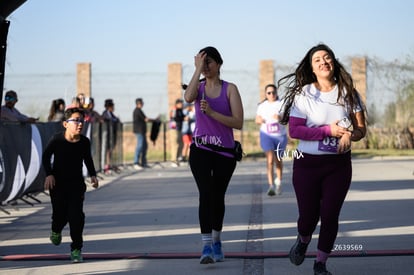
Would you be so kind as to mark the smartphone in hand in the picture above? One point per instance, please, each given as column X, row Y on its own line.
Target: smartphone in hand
column 345, row 123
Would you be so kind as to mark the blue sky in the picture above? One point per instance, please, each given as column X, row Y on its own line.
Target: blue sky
column 131, row 36
column 141, row 36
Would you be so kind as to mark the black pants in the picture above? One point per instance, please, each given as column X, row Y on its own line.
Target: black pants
column 180, row 145
column 67, row 207
column 212, row 173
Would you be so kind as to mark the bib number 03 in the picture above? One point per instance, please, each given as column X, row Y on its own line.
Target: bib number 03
column 328, row 144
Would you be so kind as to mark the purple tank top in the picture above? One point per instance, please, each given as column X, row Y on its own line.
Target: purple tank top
column 209, row 130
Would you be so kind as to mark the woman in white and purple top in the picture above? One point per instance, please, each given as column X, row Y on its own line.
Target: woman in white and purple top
column 219, row 110
column 326, row 114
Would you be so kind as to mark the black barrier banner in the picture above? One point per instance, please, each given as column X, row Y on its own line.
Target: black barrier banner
column 21, row 148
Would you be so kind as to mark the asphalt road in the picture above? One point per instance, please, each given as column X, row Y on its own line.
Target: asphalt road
column 146, row 222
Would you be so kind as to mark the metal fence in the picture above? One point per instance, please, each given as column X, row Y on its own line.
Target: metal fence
column 36, row 91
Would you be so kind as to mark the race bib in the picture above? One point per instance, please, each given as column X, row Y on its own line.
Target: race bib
column 328, row 144
column 273, row 128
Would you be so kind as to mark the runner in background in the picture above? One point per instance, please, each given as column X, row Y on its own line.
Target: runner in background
column 273, row 138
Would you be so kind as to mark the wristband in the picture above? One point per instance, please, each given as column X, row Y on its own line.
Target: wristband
column 357, row 129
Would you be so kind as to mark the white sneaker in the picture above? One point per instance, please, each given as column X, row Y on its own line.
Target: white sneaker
column 278, row 184
column 137, row 167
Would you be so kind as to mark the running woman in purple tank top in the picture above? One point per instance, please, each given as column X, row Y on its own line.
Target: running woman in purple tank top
column 219, row 110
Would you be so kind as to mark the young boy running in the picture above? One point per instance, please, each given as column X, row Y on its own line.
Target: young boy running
column 62, row 160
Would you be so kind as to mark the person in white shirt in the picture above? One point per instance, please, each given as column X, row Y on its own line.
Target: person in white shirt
column 326, row 114
column 273, row 137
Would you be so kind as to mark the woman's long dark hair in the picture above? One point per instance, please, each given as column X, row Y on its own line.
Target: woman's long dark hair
column 54, row 108
column 304, row 75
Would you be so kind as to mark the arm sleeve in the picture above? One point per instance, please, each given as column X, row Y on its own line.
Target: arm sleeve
column 22, row 117
column 88, row 159
column 46, row 157
column 299, row 130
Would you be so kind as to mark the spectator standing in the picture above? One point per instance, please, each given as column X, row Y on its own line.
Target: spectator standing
column 219, row 110
column 177, row 118
column 82, row 101
column 187, row 129
column 273, row 138
column 10, row 113
column 57, row 111
column 91, row 115
column 140, row 121
column 65, row 182
column 75, row 103
column 110, row 127
column 320, row 96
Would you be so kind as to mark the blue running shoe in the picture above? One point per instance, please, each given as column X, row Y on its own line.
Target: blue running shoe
column 218, row 252
column 207, row 256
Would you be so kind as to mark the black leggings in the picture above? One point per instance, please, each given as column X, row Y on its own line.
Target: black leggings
column 321, row 183
column 68, row 208
column 212, row 173
column 180, row 145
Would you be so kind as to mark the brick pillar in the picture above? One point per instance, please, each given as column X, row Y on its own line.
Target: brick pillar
column 359, row 76
column 84, row 79
column 175, row 91
column 266, row 76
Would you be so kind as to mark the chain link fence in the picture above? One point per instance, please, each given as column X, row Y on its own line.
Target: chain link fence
column 387, row 84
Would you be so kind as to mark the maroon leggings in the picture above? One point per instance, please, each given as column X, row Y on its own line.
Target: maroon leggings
column 321, row 183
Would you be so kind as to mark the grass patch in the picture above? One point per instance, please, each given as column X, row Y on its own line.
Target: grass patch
column 370, row 153
column 356, row 153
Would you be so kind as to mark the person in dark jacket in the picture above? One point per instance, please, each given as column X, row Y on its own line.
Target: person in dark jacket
column 177, row 117
column 140, row 129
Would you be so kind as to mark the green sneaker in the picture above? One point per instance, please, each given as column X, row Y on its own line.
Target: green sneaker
column 55, row 238
column 76, row 256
